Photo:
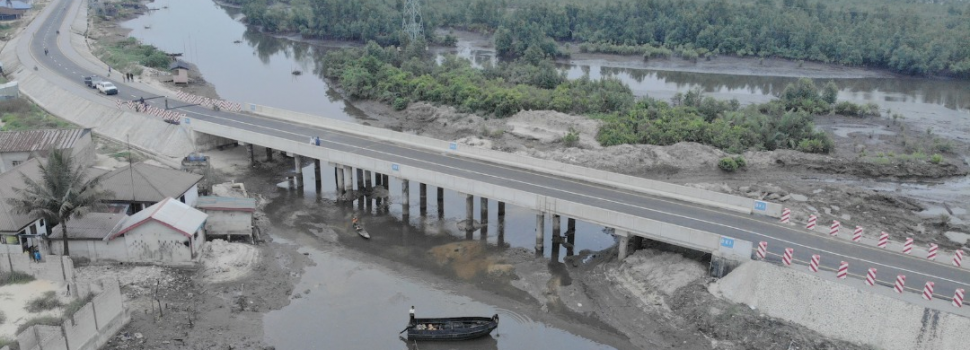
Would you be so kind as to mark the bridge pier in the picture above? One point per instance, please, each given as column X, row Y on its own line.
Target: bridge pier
column 441, row 203
column 423, row 201
column 368, row 186
column 298, row 167
column 360, row 180
column 469, row 215
column 556, row 238
column 570, row 236
column 624, row 242
column 386, row 181
column 269, row 154
column 252, row 154
column 338, row 173
column 317, row 181
column 540, row 231
column 501, row 224
column 348, row 182
column 484, row 218
column 406, row 200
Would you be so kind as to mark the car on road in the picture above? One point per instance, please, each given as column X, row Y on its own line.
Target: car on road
column 91, row 81
column 107, row 88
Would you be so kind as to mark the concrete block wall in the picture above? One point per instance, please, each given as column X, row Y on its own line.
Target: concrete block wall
column 586, row 211
column 621, row 181
column 5, row 262
column 81, row 328
column 42, row 337
column 108, row 305
column 53, row 268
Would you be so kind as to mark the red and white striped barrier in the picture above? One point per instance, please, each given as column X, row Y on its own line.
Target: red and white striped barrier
column 883, row 239
column 762, row 250
column 812, row 219
column 813, row 265
column 958, row 297
column 958, row 258
column 857, row 234
column 928, row 291
column 843, row 270
column 900, row 283
column 871, row 277
column 786, row 259
column 834, row 230
column 932, row 254
column 908, row 246
column 786, row 216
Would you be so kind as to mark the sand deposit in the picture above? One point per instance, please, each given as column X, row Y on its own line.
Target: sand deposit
column 14, row 297
column 224, row 261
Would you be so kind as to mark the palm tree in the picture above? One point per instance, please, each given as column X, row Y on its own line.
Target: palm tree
column 64, row 192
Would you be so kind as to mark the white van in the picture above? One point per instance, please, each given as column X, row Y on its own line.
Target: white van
column 107, row 88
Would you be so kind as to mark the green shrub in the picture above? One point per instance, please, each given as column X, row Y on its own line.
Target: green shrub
column 15, row 277
column 12, row 343
column 739, row 160
column 71, row 308
column 936, row 159
column 571, row 138
column 727, row 164
column 44, row 321
column 400, row 104
column 48, row 301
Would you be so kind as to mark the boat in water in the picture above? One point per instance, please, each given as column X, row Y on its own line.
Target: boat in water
column 361, row 231
column 453, row 328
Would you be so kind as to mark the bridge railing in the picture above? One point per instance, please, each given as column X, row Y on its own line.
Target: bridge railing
column 616, row 180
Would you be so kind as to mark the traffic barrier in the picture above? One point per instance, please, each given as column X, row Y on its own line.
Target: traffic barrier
column 813, row 265
column 958, row 297
column 834, row 230
column 843, row 270
column 787, row 258
column 932, row 254
column 871, row 277
column 762, row 250
column 958, row 258
column 812, row 219
column 900, row 283
column 928, row 291
column 883, row 239
column 786, row 216
column 908, row 246
column 857, row 234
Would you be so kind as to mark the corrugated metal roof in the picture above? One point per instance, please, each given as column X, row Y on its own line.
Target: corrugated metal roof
column 10, row 221
column 170, row 212
column 151, row 183
column 39, row 140
column 91, row 226
column 226, row 203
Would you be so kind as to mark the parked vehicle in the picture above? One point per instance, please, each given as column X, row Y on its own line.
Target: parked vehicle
column 92, row 81
column 107, row 88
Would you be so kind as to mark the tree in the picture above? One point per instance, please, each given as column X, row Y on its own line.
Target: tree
column 64, row 191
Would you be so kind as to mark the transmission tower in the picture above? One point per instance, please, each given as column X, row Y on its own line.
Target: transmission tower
column 412, row 20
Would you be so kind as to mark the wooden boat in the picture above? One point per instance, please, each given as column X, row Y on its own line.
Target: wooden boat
column 360, row 231
column 454, row 328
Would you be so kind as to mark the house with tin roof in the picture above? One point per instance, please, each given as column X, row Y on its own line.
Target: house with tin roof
column 142, row 185
column 168, row 232
column 229, row 217
column 12, row 9
column 17, row 147
column 19, row 231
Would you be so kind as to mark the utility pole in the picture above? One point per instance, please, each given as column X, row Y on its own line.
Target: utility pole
column 411, row 22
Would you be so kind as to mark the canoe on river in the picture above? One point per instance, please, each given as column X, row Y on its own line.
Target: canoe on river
column 454, row 328
column 361, row 231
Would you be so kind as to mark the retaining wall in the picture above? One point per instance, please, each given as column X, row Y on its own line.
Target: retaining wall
column 843, row 311
column 90, row 328
column 626, row 182
column 52, row 268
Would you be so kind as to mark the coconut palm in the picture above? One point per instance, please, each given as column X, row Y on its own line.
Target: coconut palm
column 63, row 192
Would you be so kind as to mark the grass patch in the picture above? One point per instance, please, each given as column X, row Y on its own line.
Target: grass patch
column 44, row 321
column 15, row 277
column 76, row 305
column 129, row 56
column 13, row 344
column 48, row 301
column 20, row 114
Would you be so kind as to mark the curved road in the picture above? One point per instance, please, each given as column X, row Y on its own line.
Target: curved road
column 70, row 65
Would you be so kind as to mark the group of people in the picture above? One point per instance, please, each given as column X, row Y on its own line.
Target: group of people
column 129, row 77
column 33, row 252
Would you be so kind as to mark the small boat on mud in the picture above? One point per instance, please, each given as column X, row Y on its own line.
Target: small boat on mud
column 453, row 328
column 361, row 231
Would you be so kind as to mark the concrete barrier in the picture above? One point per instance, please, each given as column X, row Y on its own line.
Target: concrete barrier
column 616, row 180
column 590, row 212
column 52, row 268
column 88, row 329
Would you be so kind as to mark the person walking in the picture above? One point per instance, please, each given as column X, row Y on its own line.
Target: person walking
column 109, row 71
column 412, row 315
column 45, row 51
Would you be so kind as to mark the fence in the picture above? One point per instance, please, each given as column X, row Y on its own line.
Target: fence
column 89, row 328
column 53, row 267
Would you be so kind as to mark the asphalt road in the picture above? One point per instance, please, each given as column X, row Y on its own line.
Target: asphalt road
column 751, row 228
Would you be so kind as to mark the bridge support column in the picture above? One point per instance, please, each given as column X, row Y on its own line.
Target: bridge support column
column 252, row 154
column 501, row 223
column 469, row 215
column 423, row 199
column 570, row 236
column 349, row 182
column 367, row 183
column 556, row 238
column 360, row 180
column 441, row 203
column 338, row 172
column 378, row 179
column 540, row 231
column 298, row 167
column 317, row 181
column 624, row 242
column 405, row 200
column 483, row 211
column 386, row 182
column 269, row 154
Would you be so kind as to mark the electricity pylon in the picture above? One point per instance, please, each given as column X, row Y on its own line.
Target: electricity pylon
column 412, row 19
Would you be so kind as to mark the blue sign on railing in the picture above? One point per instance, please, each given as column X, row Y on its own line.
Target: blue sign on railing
column 187, row 121
column 760, row 205
column 252, row 107
column 453, row 146
column 727, row 242
column 395, row 167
